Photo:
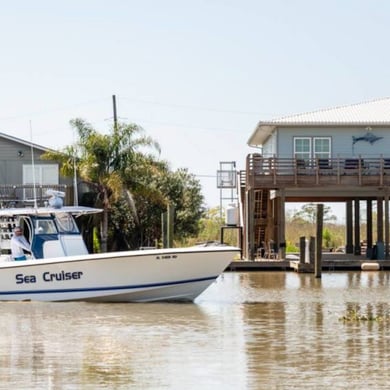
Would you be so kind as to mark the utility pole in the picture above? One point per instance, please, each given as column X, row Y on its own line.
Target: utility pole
column 115, row 115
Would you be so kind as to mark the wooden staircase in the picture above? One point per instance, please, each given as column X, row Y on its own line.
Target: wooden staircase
column 261, row 198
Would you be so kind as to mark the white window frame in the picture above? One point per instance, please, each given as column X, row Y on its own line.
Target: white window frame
column 299, row 154
column 322, row 154
column 312, row 153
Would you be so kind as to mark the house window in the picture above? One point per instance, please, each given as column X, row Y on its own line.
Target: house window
column 302, row 148
column 321, row 147
column 312, row 147
column 43, row 174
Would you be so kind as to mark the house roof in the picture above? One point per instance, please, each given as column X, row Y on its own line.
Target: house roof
column 23, row 142
column 370, row 113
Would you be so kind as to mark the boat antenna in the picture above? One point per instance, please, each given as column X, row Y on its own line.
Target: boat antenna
column 33, row 168
column 75, row 190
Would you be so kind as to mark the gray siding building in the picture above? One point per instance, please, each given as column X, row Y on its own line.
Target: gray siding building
column 19, row 181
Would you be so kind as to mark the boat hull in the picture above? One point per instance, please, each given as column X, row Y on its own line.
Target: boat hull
column 136, row 276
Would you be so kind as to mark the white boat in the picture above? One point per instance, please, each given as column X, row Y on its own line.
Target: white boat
column 61, row 269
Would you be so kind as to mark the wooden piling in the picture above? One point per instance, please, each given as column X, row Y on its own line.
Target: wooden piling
column 318, row 257
column 312, row 250
column 302, row 249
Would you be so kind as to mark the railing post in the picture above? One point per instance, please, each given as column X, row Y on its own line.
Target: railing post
column 274, row 168
column 338, row 170
column 295, row 171
column 381, row 171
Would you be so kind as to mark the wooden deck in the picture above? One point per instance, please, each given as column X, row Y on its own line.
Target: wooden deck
column 330, row 262
column 289, row 172
column 268, row 183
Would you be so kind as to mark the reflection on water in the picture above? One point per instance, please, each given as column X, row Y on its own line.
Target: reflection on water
column 271, row 330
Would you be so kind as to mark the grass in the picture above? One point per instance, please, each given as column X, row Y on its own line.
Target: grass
column 357, row 316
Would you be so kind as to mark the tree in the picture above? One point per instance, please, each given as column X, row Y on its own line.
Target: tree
column 157, row 187
column 101, row 160
column 308, row 213
column 302, row 224
column 132, row 186
column 183, row 191
column 327, row 238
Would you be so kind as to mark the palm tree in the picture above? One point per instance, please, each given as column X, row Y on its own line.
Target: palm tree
column 102, row 160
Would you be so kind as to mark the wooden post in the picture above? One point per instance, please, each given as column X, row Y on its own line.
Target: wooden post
column 250, row 229
column 282, row 227
column 302, row 249
column 318, row 258
column 164, row 230
column 369, row 229
column 246, row 225
column 312, row 250
column 349, row 237
column 170, row 224
column 357, row 250
column 380, row 242
column 386, row 225
column 379, row 209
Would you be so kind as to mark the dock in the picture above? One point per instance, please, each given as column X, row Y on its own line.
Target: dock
column 330, row 262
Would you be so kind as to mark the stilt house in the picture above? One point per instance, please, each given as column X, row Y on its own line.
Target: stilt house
column 339, row 154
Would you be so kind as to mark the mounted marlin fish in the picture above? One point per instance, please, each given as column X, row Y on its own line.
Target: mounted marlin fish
column 61, row 269
column 368, row 137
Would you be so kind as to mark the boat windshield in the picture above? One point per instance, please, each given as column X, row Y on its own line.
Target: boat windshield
column 45, row 226
column 66, row 223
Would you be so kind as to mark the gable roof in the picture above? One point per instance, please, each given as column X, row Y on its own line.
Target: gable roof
column 23, row 142
column 371, row 113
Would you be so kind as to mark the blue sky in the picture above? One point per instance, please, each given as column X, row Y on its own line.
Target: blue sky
column 196, row 75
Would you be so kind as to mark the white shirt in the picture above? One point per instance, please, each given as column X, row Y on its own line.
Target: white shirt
column 18, row 243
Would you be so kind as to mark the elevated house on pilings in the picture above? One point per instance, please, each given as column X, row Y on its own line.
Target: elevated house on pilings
column 339, row 154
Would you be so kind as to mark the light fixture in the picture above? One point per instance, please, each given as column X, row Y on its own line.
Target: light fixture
column 20, row 153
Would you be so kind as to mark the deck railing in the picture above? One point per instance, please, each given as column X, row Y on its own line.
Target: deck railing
column 275, row 171
column 28, row 194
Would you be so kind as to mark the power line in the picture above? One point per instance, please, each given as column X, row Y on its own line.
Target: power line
column 185, row 126
column 180, row 125
column 42, row 112
column 199, row 108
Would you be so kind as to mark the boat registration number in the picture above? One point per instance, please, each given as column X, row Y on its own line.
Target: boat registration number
column 165, row 257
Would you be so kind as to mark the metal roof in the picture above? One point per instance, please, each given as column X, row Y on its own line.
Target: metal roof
column 370, row 113
column 23, row 142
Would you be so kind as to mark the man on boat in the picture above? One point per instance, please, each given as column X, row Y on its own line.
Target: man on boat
column 19, row 244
